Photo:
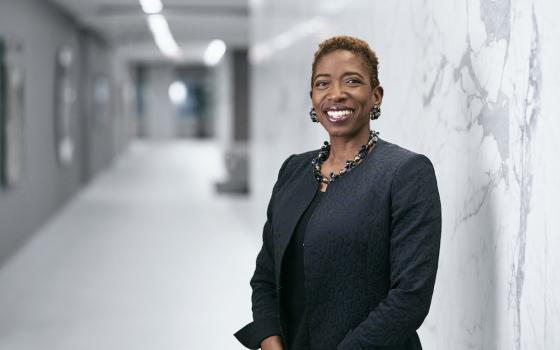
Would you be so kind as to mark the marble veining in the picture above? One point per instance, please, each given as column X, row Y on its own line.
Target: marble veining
column 496, row 17
column 525, row 175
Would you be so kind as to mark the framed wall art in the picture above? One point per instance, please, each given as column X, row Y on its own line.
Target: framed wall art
column 11, row 111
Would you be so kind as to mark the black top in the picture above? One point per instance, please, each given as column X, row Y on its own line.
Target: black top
column 293, row 284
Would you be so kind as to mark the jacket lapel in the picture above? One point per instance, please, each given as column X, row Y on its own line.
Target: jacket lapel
column 291, row 202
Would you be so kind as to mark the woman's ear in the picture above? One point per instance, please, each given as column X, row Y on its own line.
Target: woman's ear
column 310, row 93
column 377, row 95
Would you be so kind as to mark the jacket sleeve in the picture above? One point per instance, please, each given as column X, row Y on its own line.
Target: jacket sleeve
column 266, row 321
column 413, row 253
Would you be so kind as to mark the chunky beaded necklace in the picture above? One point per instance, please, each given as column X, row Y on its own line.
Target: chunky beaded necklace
column 317, row 162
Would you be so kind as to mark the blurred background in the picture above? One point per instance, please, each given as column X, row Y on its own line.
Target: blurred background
column 140, row 140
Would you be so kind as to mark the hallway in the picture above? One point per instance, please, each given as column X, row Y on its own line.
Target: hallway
column 146, row 257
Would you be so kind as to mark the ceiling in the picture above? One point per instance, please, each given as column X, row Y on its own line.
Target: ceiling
column 193, row 24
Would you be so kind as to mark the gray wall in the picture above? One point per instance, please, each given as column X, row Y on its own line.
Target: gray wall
column 97, row 139
column 46, row 185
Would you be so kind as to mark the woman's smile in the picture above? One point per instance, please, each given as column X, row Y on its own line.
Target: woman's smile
column 338, row 114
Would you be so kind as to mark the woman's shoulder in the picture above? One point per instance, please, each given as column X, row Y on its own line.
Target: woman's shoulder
column 393, row 155
column 297, row 161
column 305, row 156
column 294, row 166
column 393, row 150
column 402, row 163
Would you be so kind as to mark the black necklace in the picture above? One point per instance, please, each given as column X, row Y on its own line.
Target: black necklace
column 317, row 162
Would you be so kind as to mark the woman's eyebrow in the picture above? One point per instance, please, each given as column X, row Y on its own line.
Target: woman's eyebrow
column 353, row 73
column 321, row 75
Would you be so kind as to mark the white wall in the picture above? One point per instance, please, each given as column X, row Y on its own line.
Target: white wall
column 222, row 76
column 474, row 86
column 160, row 114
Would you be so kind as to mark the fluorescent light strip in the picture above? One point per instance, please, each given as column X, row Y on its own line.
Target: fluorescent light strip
column 163, row 37
column 151, row 7
column 214, row 52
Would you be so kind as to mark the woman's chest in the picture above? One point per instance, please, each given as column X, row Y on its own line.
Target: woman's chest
column 351, row 218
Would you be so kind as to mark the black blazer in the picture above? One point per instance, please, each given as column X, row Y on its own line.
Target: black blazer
column 371, row 252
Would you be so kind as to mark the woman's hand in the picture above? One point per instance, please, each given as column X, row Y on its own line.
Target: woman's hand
column 273, row 342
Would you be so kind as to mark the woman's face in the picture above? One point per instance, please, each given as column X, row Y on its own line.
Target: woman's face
column 342, row 94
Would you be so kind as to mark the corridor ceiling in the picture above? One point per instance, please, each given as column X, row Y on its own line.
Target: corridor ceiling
column 193, row 24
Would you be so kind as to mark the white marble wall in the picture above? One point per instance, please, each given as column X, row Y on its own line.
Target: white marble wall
column 474, row 85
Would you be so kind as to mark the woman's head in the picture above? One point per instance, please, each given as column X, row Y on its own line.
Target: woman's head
column 345, row 86
column 354, row 45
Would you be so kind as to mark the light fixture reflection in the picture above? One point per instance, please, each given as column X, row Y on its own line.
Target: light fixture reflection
column 214, row 52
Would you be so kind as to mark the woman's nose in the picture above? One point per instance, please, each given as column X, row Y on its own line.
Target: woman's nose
column 337, row 92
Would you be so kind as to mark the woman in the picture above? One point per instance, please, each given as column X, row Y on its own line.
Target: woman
column 351, row 242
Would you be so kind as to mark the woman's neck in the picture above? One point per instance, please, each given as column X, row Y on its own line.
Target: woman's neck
column 344, row 148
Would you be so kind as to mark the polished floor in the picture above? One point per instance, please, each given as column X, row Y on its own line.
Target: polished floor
column 147, row 257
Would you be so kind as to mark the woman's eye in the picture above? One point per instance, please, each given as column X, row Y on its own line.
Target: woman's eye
column 321, row 84
column 353, row 81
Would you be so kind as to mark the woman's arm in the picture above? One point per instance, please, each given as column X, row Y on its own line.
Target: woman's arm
column 272, row 343
column 266, row 321
column 414, row 252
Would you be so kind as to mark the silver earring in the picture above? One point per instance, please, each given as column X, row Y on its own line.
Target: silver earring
column 313, row 115
column 375, row 112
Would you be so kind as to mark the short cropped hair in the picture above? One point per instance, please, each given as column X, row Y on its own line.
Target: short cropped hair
column 354, row 45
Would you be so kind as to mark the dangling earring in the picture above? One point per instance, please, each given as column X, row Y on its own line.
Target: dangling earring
column 313, row 115
column 375, row 112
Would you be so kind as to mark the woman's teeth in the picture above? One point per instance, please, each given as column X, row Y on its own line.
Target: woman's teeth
column 339, row 114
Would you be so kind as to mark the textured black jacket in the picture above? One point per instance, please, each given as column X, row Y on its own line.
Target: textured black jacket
column 371, row 252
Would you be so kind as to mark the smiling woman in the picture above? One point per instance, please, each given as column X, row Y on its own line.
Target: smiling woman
column 352, row 267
